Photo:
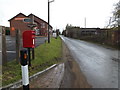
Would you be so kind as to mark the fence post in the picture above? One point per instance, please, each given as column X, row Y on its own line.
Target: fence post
column 4, row 53
column 33, row 53
column 17, row 45
column 0, row 45
column 24, row 67
column 29, row 56
column 32, row 28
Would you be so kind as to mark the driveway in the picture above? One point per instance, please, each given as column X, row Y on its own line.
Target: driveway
column 11, row 46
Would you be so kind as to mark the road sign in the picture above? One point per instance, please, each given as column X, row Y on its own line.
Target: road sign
column 32, row 25
column 20, row 18
column 27, row 20
column 12, row 28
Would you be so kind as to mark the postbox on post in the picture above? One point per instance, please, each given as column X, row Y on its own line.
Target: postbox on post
column 29, row 39
column 29, row 42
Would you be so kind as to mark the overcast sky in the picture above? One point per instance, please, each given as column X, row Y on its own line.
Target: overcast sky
column 62, row 12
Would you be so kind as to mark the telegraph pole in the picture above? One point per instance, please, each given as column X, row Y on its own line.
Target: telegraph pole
column 49, row 19
column 85, row 22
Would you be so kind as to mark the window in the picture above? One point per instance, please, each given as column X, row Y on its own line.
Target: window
column 42, row 25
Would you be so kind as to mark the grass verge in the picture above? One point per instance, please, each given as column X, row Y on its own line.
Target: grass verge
column 45, row 56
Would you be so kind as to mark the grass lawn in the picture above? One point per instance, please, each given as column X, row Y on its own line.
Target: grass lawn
column 45, row 56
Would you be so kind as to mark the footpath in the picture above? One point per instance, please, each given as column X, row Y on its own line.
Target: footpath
column 64, row 75
column 50, row 79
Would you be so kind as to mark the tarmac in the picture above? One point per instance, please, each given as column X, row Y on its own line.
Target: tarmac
column 63, row 75
column 66, row 74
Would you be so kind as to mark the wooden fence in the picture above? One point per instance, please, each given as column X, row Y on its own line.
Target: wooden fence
column 107, row 36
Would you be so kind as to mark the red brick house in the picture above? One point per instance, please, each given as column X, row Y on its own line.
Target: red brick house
column 17, row 23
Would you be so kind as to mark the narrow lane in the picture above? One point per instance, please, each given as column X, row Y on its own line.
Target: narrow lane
column 99, row 64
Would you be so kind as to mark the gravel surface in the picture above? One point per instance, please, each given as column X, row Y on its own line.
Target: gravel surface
column 49, row 79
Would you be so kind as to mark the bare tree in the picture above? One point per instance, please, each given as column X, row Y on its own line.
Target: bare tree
column 116, row 15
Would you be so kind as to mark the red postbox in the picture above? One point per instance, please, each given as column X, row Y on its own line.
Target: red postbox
column 29, row 39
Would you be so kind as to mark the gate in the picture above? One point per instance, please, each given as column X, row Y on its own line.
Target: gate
column 9, row 46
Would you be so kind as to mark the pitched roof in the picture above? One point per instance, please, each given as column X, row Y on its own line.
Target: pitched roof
column 17, row 15
column 89, row 28
column 28, row 16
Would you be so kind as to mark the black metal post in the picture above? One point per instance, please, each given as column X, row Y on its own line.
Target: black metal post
column 33, row 53
column 29, row 57
column 48, row 21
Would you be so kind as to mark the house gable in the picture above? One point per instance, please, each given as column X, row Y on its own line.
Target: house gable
column 18, row 15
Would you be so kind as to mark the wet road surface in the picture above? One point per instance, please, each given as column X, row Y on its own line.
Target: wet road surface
column 99, row 64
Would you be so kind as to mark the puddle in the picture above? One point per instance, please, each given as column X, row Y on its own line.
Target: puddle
column 116, row 59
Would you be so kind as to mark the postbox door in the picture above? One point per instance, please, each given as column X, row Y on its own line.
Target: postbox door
column 28, row 39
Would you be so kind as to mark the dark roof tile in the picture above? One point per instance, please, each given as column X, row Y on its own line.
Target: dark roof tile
column 17, row 15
